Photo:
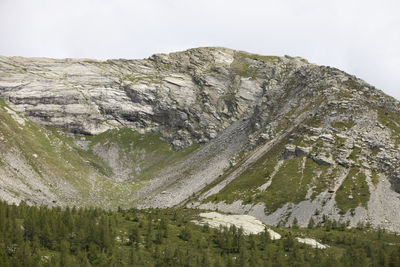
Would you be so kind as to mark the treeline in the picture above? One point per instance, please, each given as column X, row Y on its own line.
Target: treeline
column 40, row 236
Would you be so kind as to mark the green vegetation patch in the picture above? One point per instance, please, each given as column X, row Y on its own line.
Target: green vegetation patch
column 245, row 186
column 354, row 155
column 343, row 125
column 242, row 67
column 44, row 151
column 390, row 120
column 288, row 185
column 354, row 191
column 293, row 180
column 270, row 59
column 353, row 83
column 230, row 102
column 136, row 79
column 147, row 152
column 54, row 156
column 375, row 177
column 245, row 70
column 319, row 175
column 90, row 158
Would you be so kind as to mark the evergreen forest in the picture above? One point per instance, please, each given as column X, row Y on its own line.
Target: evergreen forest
column 42, row 236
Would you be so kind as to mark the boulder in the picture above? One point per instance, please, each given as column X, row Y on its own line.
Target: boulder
column 290, row 151
column 327, row 137
column 300, row 151
column 316, row 131
column 323, row 160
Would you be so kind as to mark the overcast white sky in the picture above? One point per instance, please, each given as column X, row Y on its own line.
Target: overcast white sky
column 360, row 37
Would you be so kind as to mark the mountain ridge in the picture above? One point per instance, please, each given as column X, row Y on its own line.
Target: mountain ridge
column 163, row 131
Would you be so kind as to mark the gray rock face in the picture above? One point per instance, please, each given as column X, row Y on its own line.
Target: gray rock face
column 187, row 97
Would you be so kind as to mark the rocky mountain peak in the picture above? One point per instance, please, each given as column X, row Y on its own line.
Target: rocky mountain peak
column 276, row 137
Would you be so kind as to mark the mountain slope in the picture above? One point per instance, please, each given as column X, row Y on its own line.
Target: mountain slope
column 276, row 137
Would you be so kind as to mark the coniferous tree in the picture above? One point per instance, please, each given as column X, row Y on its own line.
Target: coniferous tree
column 311, row 223
column 295, row 223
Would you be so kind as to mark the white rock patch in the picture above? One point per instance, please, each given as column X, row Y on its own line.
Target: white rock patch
column 274, row 235
column 312, row 242
column 249, row 224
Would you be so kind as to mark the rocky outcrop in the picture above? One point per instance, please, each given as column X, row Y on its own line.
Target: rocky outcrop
column 323, row 160
column 295, row 151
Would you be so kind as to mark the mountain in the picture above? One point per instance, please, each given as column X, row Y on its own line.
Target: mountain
column 279, row 138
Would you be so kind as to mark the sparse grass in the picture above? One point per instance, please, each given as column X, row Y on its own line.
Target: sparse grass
column 246, row 71
column 165, row 66
column 353, row 83
column 343, row 125
column 344, row 93
column 90, row 158
column 148, row 152
column 230, row 101
column 244, row 186
column 354, row 185
column 355, row 154
column 390, row 120
column 374, row 177
column 288, row 185
column 283, row 124
column 136, row 79
column 10, row 64
column 339, row 142
column 270, row 59
column 54, row 157
column 243, row 68
column 99, row 62
column 319, row 176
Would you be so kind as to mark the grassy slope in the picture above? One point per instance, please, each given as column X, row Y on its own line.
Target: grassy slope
column 54, row 155
column 392, row 121
column 294, row 177
column 354, row 191
column 148, row 152
column 51, row 155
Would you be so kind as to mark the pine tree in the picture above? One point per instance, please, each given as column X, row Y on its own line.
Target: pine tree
column 311, row 223
column 64, row 254
column 295, row 223
column 132, row 256
column 46, row 237
column 288, row 242
column 185, row 233
column 206, row 228
column 134, row 236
